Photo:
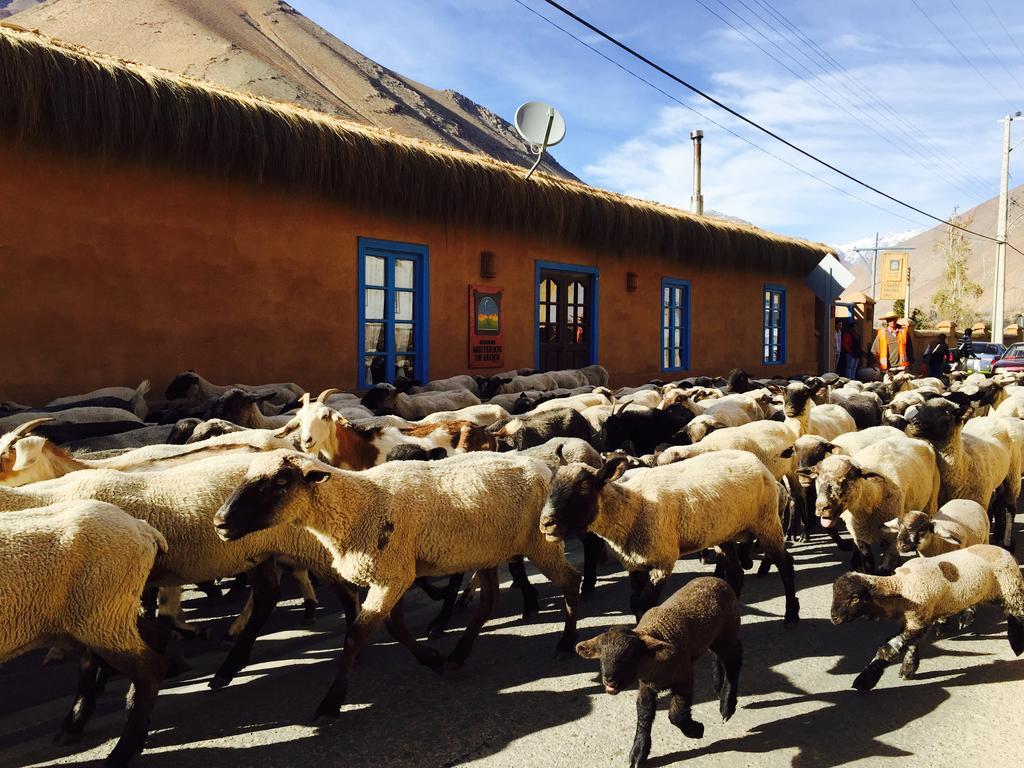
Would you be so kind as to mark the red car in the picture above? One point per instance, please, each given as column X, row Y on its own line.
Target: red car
column 1012, row 361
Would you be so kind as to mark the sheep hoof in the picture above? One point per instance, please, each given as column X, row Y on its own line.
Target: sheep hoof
column 433, row 660
column 692, row 729
column 64, row 738
column 587, row 587
column 868, row 679
column 309, row 611
column 219, row 680
column 323, row 715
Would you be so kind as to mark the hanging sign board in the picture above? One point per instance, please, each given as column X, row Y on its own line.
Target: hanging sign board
column 486, row 335
column 893, row 280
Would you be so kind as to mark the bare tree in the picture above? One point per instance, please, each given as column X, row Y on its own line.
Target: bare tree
column 953, row 299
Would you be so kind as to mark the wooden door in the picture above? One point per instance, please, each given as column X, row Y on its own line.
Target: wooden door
column 564, row 312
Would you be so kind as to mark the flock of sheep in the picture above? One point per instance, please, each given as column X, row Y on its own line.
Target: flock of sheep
column 110, row 503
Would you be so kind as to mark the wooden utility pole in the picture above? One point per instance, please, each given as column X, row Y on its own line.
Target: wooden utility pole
column 1004, row 183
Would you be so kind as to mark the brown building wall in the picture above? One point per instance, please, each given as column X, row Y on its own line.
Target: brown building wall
column 115, row 273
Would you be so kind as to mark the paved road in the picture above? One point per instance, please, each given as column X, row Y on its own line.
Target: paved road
column 514, row 704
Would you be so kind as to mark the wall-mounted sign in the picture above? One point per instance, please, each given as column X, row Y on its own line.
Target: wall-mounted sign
column 893, row 279
column 486, row 335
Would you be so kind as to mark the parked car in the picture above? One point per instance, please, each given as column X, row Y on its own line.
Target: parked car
column 985, row 353
column 1012, row 360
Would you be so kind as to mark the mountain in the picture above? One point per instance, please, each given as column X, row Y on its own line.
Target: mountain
column 927, row 263
column 10, row 7
column 267, row 48
column 848, row 254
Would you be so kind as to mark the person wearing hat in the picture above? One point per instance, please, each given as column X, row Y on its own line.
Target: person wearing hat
column 892, row 346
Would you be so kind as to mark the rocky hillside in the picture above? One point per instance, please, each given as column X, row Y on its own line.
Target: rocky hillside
column 927, row 263
column 267, row 48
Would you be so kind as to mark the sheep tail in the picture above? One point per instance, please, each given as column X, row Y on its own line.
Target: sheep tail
column 154, row 535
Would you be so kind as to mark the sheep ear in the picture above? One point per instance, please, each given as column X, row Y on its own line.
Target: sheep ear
column 290, row 427
column 892, row 526
column 658, row 649
column 558, row 454
column 613, row 469
column 28, row 451
column 946, row 537
column 590, row 649
column 775, row 388
column 313, row 474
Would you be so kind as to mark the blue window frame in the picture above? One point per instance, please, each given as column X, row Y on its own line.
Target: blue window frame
column 774, row 346
column 675, row 324
column 393, row 311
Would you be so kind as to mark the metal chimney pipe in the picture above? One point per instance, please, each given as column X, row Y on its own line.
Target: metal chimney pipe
column 697, row 199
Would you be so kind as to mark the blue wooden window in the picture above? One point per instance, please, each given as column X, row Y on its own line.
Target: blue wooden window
column 774, row 347
column 393, row 311
column 675, row 324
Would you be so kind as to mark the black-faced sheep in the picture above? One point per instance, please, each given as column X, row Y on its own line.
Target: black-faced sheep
column 806, row 418
column 660, row 651
column 387, row 525
column 927, row 589
column 975, row 463
column 657, row 515
column 958, row 524
column 884, row 481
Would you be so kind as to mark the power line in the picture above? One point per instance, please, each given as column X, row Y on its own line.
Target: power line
column 985, row 42
column 701, row 115
column 1000, row 22
column 926, row 164
column 957, row 49
column 755, row 124
column 910, row 128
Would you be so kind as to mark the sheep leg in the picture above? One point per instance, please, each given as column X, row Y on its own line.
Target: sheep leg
column 169, row 611
column 349, row 596
column 784, row 561
column 145, row 668
column 549, row 558
column 645, row 589
column 888, row 654
column 517, row 568
column 467, row 594
column 425, row 655
column 240, row 621
column 728, row 660
column 85, row 700
column 488, row 595
column 731, row 566
column 646, row 707
column 682, row 699
column 434, row 593
column 863, row 558
column 266, row 591
column 593, row 549
column 309, row 601
column 378, row 604
column 210, row 589
column 437, row 625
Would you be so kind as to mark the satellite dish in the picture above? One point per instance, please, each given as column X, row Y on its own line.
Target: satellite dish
column 541, row 125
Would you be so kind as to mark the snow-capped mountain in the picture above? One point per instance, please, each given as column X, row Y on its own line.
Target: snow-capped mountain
column 847, row 254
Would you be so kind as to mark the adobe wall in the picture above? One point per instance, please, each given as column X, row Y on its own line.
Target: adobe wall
column 114, row 273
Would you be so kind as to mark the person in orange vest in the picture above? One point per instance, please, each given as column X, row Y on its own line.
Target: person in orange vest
column 893, row 346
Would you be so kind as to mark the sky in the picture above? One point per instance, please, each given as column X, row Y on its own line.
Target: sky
column 903, row 94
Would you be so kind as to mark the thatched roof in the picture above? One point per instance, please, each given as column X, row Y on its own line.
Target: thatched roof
column 62, row 96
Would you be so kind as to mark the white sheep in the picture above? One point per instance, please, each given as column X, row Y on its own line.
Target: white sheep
column 577, row 402
column 1011, row 406
column 414, row 407
column 191, row 386
column 806, row 418
column 452, row 383
column 974, row 461
column 958, row 524
column 886, row 480
column 658, row 515
column 74, row 572
column 482, row 415
column 180, row 502
column 133, row 400
column 925, row 590
column 386, row 526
